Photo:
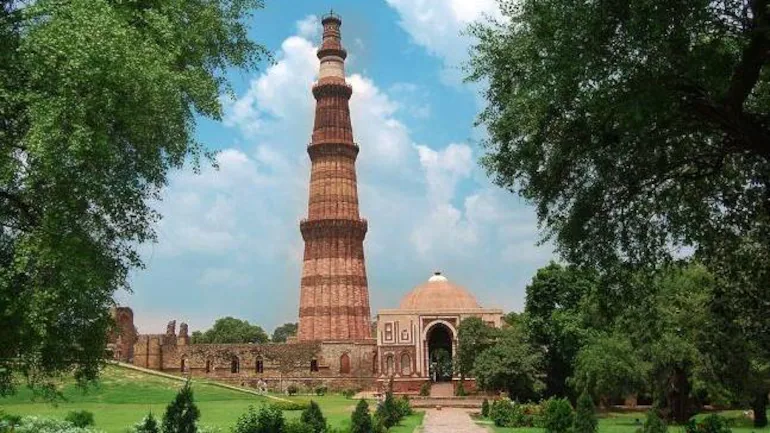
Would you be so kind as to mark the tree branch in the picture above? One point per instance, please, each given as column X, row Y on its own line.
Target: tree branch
column 25, row 209
column 754, row 56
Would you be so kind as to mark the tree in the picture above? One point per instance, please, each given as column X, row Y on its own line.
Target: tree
column 554, row 319
column 655, row 137
column 473, row 336
column 388, row 411
column 608, row 367
column 313, row 417
column 281, row 333
column 148, row 425
column 585, row 415
column 98, row 103
column 229, row 330
column 361, row 420
column 182, row 414
column 511, row 364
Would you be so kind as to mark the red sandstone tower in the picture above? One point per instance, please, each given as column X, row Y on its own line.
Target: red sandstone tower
column 334, row 294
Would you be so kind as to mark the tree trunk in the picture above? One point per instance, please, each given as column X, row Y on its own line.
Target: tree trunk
column 678, row 397
column 760, row 409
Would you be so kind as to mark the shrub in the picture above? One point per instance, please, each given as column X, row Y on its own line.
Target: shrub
column 321, row 390
column 181, row 414
column 485, row 408
column 361, row 420
column 296, row 426
column 654, row 424
column 557, row 415
column 292, row 389
column 313, row 417
column 33, row 424
column 290, row 405
column 711, row 424
column 80, row 418
column 460, row 390
column 388, row 411
column 505, row 413
column 425, row 389
column 404, row 407
column 270, row 420
column 349, row 392
column 248, row 422
column 585, row 416
column 148, row 425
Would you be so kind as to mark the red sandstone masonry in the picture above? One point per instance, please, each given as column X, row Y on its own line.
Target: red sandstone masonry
column 334, row 294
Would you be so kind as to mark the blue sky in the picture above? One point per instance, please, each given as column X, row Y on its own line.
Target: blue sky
column 229, row 241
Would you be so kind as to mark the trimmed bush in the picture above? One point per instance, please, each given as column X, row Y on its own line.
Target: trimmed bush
column 388, row 411
column 290, row 405
column 248, row 422
column 148, row 425
column 404, row 407
column 313, row 417
column 34, row 424
column 80, row 418
column 292, row 389
column 361, row 420
column 654, row 424
column 296, row 426
column 425, row 389
column 557, row 415
column 181, row 414
column 585, row 415
column 349, row 393
column 321, row 390
column 485, row 408
column 710, row 424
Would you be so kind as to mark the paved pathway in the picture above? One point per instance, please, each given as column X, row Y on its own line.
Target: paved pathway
column 450, row 420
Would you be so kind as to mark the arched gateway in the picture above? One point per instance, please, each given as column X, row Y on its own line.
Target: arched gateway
column 424, row 328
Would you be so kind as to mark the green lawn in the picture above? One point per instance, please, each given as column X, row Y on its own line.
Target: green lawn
column 616, row 422
column 124, row 396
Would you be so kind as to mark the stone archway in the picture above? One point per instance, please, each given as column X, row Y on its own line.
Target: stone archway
column 439, row 338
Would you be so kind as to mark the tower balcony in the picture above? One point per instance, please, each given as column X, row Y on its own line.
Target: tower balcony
column 333, row 228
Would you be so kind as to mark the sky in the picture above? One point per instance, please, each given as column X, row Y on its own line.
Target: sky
column 229, row 241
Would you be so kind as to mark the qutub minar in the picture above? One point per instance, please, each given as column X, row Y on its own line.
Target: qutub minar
column 334, row 345
column 334, row 295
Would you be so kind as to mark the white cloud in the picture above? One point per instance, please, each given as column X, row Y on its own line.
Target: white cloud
column 309, row 27
column 438, row 26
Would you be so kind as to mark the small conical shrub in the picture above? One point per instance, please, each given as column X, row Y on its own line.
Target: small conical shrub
column 181, row 414
column 654, row 424
column 585, row 416
column 388, row 411
column 361, row 420
column 313, row 417
column 485, row 408
column 148, row 425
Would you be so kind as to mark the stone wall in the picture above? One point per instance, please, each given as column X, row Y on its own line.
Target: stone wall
column 123, row 337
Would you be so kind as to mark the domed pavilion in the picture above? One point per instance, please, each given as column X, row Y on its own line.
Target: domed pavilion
column 417, row 341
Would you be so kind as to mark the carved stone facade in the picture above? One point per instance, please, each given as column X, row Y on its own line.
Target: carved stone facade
column 334, row 293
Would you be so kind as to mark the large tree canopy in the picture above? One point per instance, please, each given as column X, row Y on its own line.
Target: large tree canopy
column 283, row 332
column 98, row 100
column 637, row 127
column 229, row 330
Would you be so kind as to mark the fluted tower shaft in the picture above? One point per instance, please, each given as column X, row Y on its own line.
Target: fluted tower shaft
column 334, row 294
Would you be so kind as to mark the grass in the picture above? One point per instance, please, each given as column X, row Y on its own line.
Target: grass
column 625, row 422
column 123, row 397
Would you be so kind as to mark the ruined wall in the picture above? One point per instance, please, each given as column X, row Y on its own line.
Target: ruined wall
column 123, row 337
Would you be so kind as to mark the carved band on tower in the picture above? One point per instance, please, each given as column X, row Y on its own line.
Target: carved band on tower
column 334, row 294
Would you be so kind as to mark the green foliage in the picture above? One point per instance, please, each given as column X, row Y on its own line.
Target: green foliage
column 473, row 336
column 321, row 390
column 557, row 415
column 585, row 415
column 361, row 420
column 404, row 407
column 296, row 426
column 80, row 418
column 654, row 424
column 270, row 420
column 425, row 389
column 181, row 414
column 247, row 422
column 485, row 408
column 460, row 390
column 98, row 101
column 283, row 332
column 609, row 367
column 388, row 411
column 229, row 330
column 349, row 392
column 148, row 425
column 34, row 424
column 512, row 364
column 505, row 413
column 313, row 417
column 292, row 389
column 290, row 405
column 710, row 424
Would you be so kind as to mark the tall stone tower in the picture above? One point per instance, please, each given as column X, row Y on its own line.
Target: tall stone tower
column 334, row 294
